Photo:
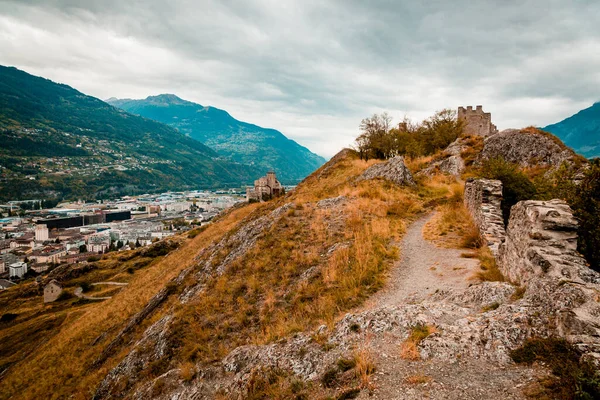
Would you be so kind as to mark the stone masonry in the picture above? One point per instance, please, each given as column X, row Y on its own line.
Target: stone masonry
column 540, row 254
column 541, row 240
column 476, row 122
column 483, row 198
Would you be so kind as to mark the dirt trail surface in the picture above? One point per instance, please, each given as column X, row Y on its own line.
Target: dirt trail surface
column 423, row 270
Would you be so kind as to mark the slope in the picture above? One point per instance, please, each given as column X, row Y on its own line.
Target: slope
column 241, row 141
column 59, row 142
column 580, row 131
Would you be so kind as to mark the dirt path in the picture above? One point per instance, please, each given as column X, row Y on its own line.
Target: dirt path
column 422, row 270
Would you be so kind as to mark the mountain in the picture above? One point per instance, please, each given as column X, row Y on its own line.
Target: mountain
column 243, row 142
column 580, row 131
column 59, row 142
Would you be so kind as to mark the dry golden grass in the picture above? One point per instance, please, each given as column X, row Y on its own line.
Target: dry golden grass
column 489, row 268
column 416, row 164
column 452, row 225
column 267, row 294
column 60, row 365
column 187, row 371
column 364, row 367
column 409, row 349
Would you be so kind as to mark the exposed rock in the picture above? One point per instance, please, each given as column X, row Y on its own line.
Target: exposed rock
column 452, row 162
column 542, row 242
column 483, row 198
column 540, row 252
column 393, row 170
column 527, row 148
column 332, row 202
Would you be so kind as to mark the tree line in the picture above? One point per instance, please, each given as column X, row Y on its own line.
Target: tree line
column 381, row 139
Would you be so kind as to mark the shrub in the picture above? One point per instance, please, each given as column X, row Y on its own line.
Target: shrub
column 586, row 207
column 573, row 377
column 8, row 317
column 516, row 186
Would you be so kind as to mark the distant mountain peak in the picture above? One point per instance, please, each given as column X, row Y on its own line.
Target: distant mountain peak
column 166, row 98
column 248, row 144
column 580, row 131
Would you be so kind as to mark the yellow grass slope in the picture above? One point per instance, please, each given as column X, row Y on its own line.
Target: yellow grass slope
column 312, row 265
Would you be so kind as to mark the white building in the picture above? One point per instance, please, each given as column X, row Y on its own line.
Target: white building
column 41, row 232
column 18, row 269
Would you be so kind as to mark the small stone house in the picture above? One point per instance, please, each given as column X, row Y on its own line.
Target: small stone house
column 51, row 291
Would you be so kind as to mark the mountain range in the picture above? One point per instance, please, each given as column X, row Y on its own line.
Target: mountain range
column 60, row 143
column 580, row 131
column 245, row 143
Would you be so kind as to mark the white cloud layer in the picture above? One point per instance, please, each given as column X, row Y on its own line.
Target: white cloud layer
column 313, row 69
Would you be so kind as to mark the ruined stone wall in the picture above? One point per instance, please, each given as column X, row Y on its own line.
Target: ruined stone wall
column 540, row 254
column 483, row 198
column 541, row 241
column 476, row 122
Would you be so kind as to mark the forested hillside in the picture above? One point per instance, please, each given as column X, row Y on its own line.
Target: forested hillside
column 243, row 142
column 58, row 142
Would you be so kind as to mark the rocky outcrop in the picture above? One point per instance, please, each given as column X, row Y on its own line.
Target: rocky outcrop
column 451, row 162
column 394, row 170
column 483, row 198
column 528, row 148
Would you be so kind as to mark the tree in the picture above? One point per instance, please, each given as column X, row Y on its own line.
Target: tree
column 375, row 140
column 586, row 206
column 119, row 244
column 83, row 248
column 137, row 243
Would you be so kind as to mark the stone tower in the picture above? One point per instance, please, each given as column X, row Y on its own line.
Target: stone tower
column 476, row 122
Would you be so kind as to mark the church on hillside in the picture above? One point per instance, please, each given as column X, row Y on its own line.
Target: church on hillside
column 265, row 188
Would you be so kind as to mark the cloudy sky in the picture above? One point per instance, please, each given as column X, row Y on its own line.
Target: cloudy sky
column 313, row 69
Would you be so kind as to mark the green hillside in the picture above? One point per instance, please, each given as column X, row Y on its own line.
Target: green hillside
column 243, row 142
column 58, row 142
column 580, row 131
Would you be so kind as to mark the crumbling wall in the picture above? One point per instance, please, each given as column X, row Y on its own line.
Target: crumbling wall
column 483, row 198
column 540, row 253
column 541, row 241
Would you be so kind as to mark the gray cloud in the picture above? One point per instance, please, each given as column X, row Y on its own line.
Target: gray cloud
column 313, row 69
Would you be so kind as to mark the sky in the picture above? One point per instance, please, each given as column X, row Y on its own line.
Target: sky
column 314, row 69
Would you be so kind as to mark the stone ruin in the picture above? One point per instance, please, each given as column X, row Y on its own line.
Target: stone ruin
column 265, row 188
column 476, row 122
column 538, row 250
column 483, row 199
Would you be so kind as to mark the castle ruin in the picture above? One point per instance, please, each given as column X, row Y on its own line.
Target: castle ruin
column 265, row 188
column 476, row 122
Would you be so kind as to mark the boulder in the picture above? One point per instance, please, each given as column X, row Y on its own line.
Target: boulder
column 527, row 147
column 394, row 170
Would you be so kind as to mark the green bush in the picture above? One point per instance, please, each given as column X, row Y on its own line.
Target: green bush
column 516, row 186
column 573, row 377
column 585, row 202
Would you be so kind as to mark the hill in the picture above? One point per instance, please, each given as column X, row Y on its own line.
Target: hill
column 580, row 131
column 58, row 142
column 360, row 281
column 243, row 142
